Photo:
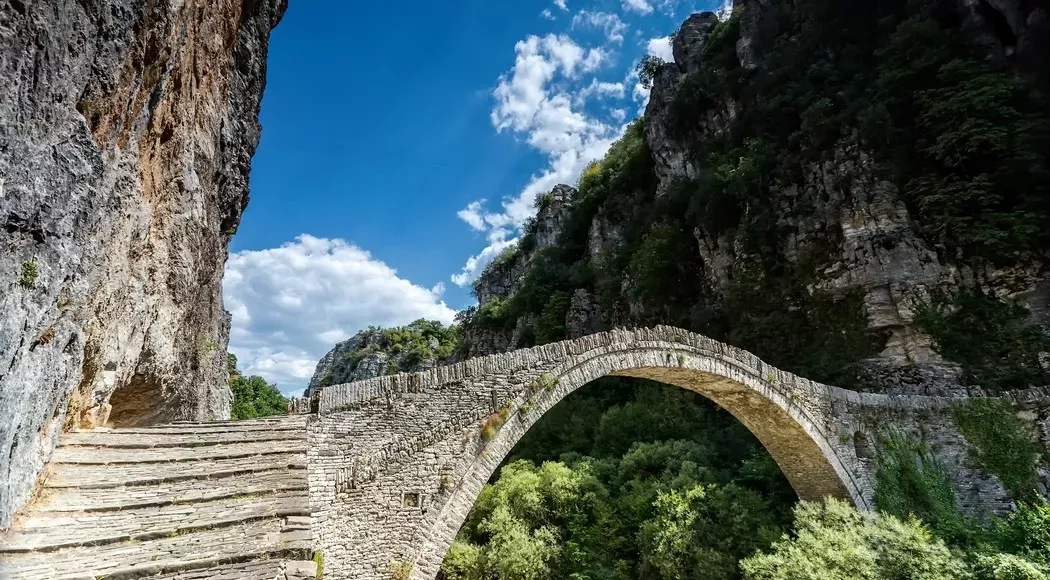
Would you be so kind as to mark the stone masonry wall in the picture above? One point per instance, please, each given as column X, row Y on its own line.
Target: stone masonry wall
column 397, row 462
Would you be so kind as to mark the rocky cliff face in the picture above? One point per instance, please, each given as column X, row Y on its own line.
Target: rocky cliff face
column 127, row 129
column 816, row 230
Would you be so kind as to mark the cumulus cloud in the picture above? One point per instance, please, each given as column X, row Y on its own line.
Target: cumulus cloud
column 608, row 22
column 601, row 89
column 661, row 48
column 725, row 10
column 669, row 7
column 547, row 14
column 561, row 4
column 472, row 214
column 639, row 6
column 531, row 103
column 291, row 304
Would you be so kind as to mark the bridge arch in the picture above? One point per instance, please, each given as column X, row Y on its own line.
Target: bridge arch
column 400, row 495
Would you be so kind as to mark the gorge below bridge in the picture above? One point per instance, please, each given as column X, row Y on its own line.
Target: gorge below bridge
column 376, row 477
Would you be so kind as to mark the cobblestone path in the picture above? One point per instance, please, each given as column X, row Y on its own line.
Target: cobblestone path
column 187, row 501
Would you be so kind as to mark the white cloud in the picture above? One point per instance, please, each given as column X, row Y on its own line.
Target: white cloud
column 639, row 6
column 475, row 264
column 472, row 215
column 618, row 115
column 661, row 48
column 725, row 10
column 291, row 304
column 606, row 21
column 669, row 7
column 602, row 89
column 561, row 4
column 640, row 93
column 530, row 102
column 547, row 14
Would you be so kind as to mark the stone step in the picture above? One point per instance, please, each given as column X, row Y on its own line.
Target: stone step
column 177, row 492
column 108, row 455
column 202, row 550
column 260, row 570
column 122, row 440
column 125, row 474
column 51, row 531
column 288, row 423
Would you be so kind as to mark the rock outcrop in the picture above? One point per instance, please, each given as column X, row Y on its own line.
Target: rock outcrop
column 376, row 352
column 127, row 129
column 881, row 254
column 833, row 217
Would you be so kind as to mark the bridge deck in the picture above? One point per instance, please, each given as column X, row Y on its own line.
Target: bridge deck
column 188, row 501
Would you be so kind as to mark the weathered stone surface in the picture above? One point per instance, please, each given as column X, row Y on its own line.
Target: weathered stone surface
column 126, row 134
column 198, row 517
column 396, row 462
column 844, row 211
column 584, row 316
column 688, row 44
column 96, row 476
column 552, row 209
column 72, row 499
column 169, row 454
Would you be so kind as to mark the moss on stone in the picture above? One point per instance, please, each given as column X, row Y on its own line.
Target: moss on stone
column 29, row 274
column 1002, row 443
column 909, row 481
column 991, row 340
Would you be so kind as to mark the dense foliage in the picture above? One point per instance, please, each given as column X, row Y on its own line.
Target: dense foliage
column 833, row 541
column 1002, row 444
column 994, row 342
column 419, row 341
column 649, row 483
column 253, row 397
column 633, row 479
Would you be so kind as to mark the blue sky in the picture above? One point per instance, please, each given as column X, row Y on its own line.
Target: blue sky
column 403, row 146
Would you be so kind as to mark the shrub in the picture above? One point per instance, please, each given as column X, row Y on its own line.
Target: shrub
column 253, row 397
column 29, row 274
column 1003, row 444
column 647, row 69
column 992, row 341
column 834, row 541
column 909, row 483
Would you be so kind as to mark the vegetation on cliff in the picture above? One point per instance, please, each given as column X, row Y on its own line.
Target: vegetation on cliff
column 253, row 397
column 890, row 78
column 377, row 351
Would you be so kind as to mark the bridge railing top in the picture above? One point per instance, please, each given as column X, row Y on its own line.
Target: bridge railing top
column 342, row 396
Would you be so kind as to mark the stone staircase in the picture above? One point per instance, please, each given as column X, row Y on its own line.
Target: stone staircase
column 181, row 501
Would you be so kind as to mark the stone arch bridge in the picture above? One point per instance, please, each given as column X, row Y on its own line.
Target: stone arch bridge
column 396, row 462
column 378, row 476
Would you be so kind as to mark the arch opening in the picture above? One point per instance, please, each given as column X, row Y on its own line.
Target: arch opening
column 591, row 471
column 776, row 415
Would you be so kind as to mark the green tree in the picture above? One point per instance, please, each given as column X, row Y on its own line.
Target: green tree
column 702, row 531
column 253, row 397
column 834, row 541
